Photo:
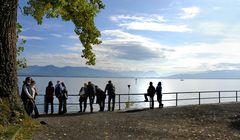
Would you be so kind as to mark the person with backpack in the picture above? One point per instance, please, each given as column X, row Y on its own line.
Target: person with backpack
column 101, row 96
column 159, row 94
column 59, row 95
column 83, row 98
column 111, row 94
column 49, row 93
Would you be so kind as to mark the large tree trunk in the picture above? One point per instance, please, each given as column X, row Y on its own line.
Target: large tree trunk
column 8, row 66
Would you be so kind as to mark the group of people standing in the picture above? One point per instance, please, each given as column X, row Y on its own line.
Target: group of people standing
column 28, row 96
column 151, row 92
column 89, row 91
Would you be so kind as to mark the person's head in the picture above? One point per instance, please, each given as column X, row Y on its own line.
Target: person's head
column 33, row 82
column 85, row 84
column 109, row 82
column 50, row 83
column 58, row 82
column 28, row 80
column 150, row 83
column 89, row 83
column 63, row 84
column 159, row 83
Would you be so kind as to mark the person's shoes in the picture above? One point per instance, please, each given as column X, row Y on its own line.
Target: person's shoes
column 151, row 107
column 145, row 100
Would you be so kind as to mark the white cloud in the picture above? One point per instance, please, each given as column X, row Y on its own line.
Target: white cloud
column 31, row 37
column 151, row 26
column 211, row 28
column 77, row 47
column 56, row 35
column 189, row 13
column 143, row 18
column 71, row 59
column 148, row 22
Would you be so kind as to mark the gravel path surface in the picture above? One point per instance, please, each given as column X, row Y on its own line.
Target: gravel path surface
column 218, row 121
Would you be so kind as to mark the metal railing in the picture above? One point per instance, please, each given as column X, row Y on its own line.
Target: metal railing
column 176, row 97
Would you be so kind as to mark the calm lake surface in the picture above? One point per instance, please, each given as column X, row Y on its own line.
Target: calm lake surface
column 140, row 85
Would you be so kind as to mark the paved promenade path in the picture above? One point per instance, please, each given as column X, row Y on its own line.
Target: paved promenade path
column 218, row 121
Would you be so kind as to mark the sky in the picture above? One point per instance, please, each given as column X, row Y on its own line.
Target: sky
column 165, row 36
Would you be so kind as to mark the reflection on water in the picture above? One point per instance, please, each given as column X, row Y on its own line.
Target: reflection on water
column 139, row 85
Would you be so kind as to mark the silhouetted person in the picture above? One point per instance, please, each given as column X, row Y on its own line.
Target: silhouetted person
column 26, row 96
column 91, row 93
column 83, row 97
column 65, row 97
column 159, row 94
column 34, row 94
column 150, row 93
column 58, row 94
column 49, row 93
column 111, row 94
column 101, row 96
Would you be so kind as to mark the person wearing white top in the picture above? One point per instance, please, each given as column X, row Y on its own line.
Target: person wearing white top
column 34, row 94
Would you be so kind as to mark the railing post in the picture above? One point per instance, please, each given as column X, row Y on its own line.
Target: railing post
column 119, row 104
column 236, row 96
column 199, row 98
column 219, row 97
column 176, row 99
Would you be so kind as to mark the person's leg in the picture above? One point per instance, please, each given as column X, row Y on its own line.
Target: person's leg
column 60, row 106
column 103, row 104
column 152, row 102
column 80, row 104
column 113, row 102
column 45, row 106
column 64, row 105
column 85, row 104
column 52, row 107
column 91, row 103
column 109, row 101
column 145, row 96
column 36, row 111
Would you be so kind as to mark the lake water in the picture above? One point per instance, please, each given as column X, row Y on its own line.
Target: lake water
column 140, row 85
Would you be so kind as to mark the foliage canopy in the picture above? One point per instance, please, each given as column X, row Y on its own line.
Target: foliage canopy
column 80, row 12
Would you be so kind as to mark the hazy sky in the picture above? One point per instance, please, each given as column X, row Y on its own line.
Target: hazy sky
column 166, row 36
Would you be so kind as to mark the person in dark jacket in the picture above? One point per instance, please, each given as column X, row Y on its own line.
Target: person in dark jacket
column 150, row 92
column 91, row 94
column 101, row 96
column 49, row 93
column 159, row 94
column 64, row 97
column 111, row 94
column 83, row 98
column 26, row 96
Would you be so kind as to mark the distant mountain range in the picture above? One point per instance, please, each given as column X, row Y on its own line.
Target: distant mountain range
column 51, row 70
column 219, row 74
column 54, row 71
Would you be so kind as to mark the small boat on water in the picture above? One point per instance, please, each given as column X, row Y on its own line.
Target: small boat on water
column 181, row 79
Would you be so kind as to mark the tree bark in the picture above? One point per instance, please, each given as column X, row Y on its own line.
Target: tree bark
column 8, row 63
